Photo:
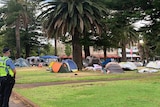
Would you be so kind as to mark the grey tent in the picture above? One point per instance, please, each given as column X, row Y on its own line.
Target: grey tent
column 113, row 67
column 90, row 60
column 20, row 62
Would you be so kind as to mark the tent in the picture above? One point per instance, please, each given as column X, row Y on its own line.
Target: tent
column 106, row 61
column 146, row 70
column 59, row 67
column 85, row 62
column 153, row 64
column 97, row 67
column 90, row 60
column 138, row 64
column 128, row 65
column 33, row 60
column 49, row 58
column 71, row 65
column 20, row 62
column 113, row 67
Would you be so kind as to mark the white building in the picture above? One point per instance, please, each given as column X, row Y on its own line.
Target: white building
column 131, row 53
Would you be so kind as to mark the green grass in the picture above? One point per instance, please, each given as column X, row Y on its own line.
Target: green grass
column 39, row 75
column 142, row 92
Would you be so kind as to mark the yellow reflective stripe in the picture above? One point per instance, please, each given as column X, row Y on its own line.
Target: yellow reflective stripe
column 10, row 71
column 1, row 75
column 3, row 65
column 2, row 68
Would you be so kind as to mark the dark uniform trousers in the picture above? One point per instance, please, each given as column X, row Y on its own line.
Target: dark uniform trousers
column 6, row 86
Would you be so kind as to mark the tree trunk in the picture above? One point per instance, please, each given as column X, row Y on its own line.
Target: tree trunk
column 77, row 50
column 146, row 51
column 105, row 52
column 124, row 58
column 17, row 39
column 55, row 43
column 86, row 51
column 141, row 51
column 27, row 49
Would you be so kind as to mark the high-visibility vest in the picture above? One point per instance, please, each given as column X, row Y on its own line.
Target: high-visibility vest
column 4, row 69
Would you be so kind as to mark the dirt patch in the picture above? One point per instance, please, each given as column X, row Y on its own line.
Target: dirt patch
column 67, row 82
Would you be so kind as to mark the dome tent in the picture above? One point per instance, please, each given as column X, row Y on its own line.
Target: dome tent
column 153, row 64
column 20, row 62
column 114, row 67
column 58, row 67
column 71, row 65
column 128, row 65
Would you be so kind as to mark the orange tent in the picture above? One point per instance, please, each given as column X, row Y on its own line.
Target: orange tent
column 59, row 67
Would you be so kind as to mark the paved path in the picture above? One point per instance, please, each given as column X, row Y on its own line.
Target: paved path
column 15, row 102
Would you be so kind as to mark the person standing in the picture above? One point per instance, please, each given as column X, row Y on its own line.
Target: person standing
column 7, row 77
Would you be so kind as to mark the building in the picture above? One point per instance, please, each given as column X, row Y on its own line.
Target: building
column 131, row 53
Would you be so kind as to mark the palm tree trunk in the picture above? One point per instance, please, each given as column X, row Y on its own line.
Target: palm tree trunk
column 17, row 32
column 105, row 53
column 55, row 43
column 86, row 51
column 124, row 58
column 77, row 50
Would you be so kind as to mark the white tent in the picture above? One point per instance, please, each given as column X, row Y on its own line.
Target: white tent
column 153, row 64
column 33, row 60
column 128, row 65
column 146, row 70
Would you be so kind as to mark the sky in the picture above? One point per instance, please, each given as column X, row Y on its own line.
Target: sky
column 1, row 5
column 140, row 24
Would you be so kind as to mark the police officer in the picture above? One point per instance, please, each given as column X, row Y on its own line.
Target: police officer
column 7, row 78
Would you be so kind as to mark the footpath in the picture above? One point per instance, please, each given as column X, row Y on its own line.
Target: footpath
column 16, row 100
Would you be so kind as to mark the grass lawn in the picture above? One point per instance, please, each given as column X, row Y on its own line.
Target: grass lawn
column 39, row 75
column 140, row 92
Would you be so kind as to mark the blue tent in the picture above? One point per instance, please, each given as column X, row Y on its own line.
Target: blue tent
column 106, row 61
column 49, row 57
column 71, row 65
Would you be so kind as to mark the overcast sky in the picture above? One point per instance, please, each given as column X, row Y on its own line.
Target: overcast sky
column 1, row 4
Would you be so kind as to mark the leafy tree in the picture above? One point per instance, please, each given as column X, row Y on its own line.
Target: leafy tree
column 122, row 15
column 15, row 15
column 26, row 28
column 151, row 12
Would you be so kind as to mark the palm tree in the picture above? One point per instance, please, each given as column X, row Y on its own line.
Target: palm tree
column 73, row 16
column 128, row 36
